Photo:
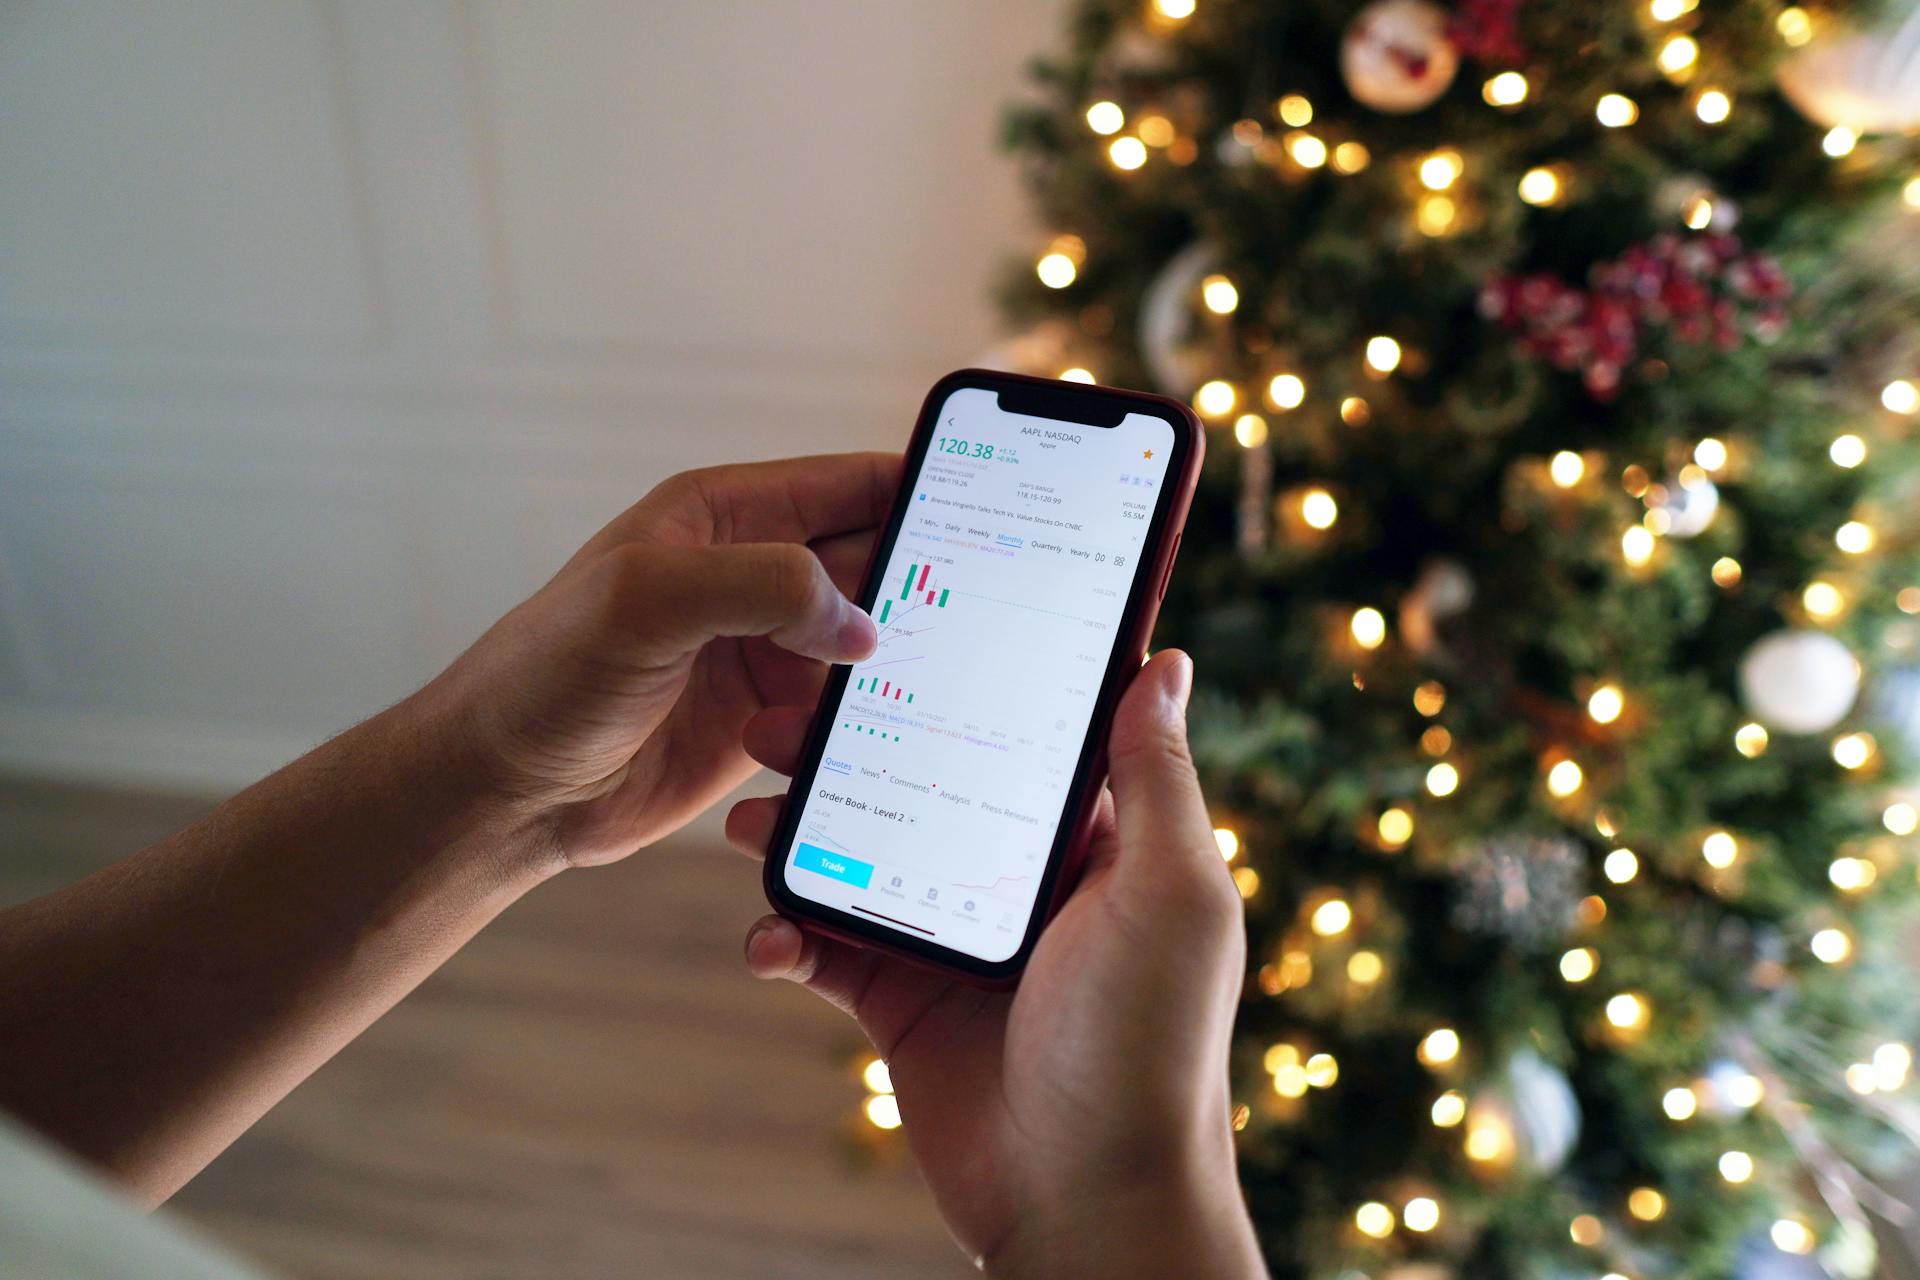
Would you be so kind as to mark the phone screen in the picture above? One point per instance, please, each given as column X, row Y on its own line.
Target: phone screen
column 952, row 752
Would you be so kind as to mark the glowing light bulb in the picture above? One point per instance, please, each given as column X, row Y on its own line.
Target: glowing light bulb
column 1441, row 1046
column 1679, row 1103
column 1745, row 1091
column 1830, row 946
column 1736, row 1166
column 1790, row 1235
column 1229, row 842
column 1332, row 917
column 1354, row 411
column 1627, row 1011
column 1156, row 131
column 1374, row 1219
column 1794, row 25
column 1713, row 107
column 1616, row 111
column 1441, row 169
column 1911, row 193
column 1606, row 704
column 1901, row 818
column 1670, row 10
column 883, row 1111
column 1307, row 151
column 1177, row 10
column 1319, row 510
column 1077, row 374
column 1854, row 538
column 1579, row 964
column 1847, row 450
column 1853, row 750
column 1322, row 1071
column 1369, row 628
column 1636, row 545
column 1823, row 600
column 1891, row 1064
column 1449, row 1109
column 1839, row 141
column 1294, row 110
column 1566, row 467
column 1710, row 453
column 1646, row 1204
column 1851, row 875
column 1287, row 391
column 1290, row 1080
column 1250, row 429
column 1430, row 699
column 1508, row 89
column 1421, row 1214
column 1351, row 157
column 1539, row 187
column 1726, row 572
column 1488, row 1139
column 1127, row 153
column 1219, row 294
column 1677, row 55
column 1443, row 779
column 1246, row 880
column 1621, row 866
column 1383, row 354
column 1056, row 270
column 1106, row 118
column 1216, row 398
column 1900, row 396
column 1750, row 739
column 1720, row 849
column 1434, row 215
column 1564, row 779
column 1365, row 967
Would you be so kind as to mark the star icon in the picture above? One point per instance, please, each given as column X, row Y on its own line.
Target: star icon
column 1147, row 453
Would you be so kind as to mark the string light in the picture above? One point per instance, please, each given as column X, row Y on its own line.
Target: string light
column 1229, row 842
column 1383, row 354
column 1859, row 1078
column 1322, row 1071
column 1750, row 739
column 1365, row 967
column 1564, row 779
column 1713, row 106
column 1606, row 704
column 1621, row 866
column 1216, row 398
column 883, row 1111
column 1488, row 1139
column 1508, row 89
column 1591, row 910
column 1636, row 546
column 1646, row 1204
column 1077, row 374
column 1056, row 270
column 1579, row 964
column 1679, row 1103
column 1670, row 10
column 1294, row 110
column 1565, row 468
column 1369, row 628
column 1331, row 918
column 1443, row 779
column 1900, row 396
column 1246, row 880
column 1421, row 1214
column 1441, row 169
column 1854, row 538
column 1839, row 141
column 1127, row 153
column 1823, row 600
column 1430, row 698
column 1436, row 741
column 1853, row 750
column 1250, row 429
column 1745, row 1090
column 1374, row 1219
column 1290, row 1078
column 1901, row 818
column 1627, row 1011
column 1830, row 946
column 1176, row 10
column 1540, row 187
column 1851, row 875
column 876, row 1076
column 1790, row 1235
column 1908, row 599
column 1440, row 1047
column 1586, row 1230
column 1156, row 131
column 1434, row 215
column 1449, row 1109
column 1794, row 25
column 1911, row 193
column 1726, row 572
column 1616, row 111
column 1678, row 55
column 1106, row 118
column 1720, row 849
column 1891, row 1063
column 1220, row 295
column 1847, row 450
column 1354, row 411
column 1736, row 1166
column 1698, row 212
column 1351, row 157
column 1287, row 391
column 1710, row 453
column 1307, row 151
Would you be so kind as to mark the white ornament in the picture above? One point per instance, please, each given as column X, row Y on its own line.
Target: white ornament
column 1395, row 56
column 1167, row 321
column 1690, row 508
column 1537, row 1106
column 1443, row 590
column 1799, row 681
column 1868, row 81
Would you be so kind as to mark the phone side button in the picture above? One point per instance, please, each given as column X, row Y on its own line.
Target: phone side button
column 1166, row 575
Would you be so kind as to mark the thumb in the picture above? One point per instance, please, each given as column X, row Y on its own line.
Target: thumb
column 1158, row 808
column 668, row 601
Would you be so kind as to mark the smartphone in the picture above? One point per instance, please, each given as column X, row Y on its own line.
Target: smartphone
column 947, row 788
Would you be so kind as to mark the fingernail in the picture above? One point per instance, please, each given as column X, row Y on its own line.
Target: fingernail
column 755, row 937
column 1181, row 677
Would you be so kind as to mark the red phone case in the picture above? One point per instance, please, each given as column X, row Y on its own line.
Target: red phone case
column 1136, row 628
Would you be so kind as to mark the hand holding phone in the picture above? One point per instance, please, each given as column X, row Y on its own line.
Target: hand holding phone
column 943, row 798
column 1079, row 1126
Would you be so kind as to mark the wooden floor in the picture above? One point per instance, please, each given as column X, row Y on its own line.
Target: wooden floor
column 593, row 1088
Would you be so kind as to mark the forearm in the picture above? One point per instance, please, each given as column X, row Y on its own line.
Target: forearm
column 1197, row 1229
column 153, row 1011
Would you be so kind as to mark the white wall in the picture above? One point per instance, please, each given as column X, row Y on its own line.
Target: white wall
column 327, row 328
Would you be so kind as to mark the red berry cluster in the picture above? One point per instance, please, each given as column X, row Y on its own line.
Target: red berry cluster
column 1698, row 289
column 1488, row 31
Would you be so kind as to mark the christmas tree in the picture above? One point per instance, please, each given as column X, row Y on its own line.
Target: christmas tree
column 1550, row 590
